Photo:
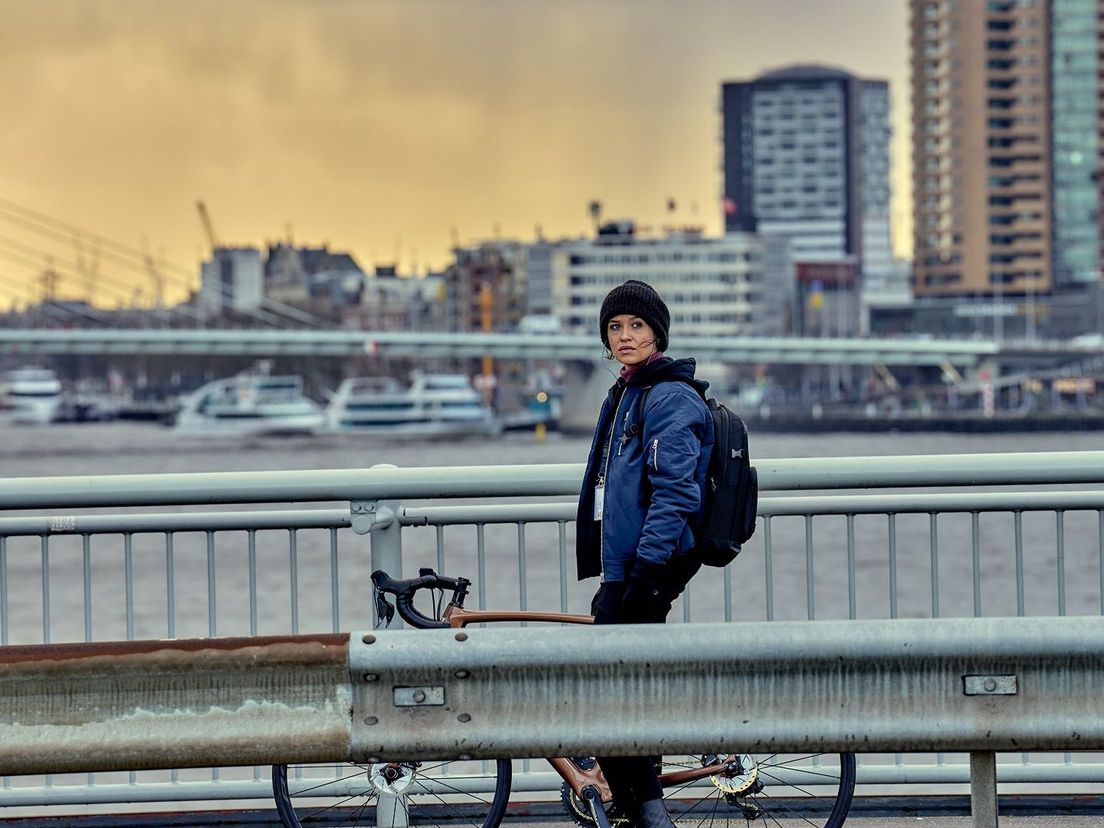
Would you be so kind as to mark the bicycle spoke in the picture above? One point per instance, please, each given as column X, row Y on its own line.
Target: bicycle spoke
column 799, row 788
column 716, row 800
column 329, row 783
column 453, row 807
column 335, row 806
column 781, row 804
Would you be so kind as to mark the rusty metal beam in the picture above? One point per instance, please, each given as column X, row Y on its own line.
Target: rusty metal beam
column 163, row 704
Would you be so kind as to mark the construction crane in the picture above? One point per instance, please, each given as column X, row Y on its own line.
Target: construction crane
column 208, row 228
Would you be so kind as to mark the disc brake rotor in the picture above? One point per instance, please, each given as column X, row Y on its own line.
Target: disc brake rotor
column 739, row 775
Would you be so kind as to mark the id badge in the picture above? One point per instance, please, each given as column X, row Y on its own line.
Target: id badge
column 599, row 496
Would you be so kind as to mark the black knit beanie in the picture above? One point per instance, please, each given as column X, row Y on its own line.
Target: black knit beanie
column 638, row 299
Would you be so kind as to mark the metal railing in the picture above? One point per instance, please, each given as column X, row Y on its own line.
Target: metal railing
column 824, row 550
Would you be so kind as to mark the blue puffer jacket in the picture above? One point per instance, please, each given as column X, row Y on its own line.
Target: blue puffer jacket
column 653, row 472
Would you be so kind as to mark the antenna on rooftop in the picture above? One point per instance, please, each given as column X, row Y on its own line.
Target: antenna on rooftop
column 595, row 210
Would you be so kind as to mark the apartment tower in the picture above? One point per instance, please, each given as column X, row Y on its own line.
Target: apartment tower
column 1005, row 145
column 806, row 157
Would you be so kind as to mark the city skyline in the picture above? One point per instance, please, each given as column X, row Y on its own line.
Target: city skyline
column 394, row 129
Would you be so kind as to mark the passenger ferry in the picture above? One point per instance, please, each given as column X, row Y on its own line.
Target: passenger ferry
column 433, row 404
column 250, row 404
column 30, row 396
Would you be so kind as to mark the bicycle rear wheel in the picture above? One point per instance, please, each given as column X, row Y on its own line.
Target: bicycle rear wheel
column 813, row 789
column 414, row 793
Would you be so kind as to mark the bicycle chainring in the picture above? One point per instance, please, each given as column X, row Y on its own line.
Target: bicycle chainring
column 578, row 810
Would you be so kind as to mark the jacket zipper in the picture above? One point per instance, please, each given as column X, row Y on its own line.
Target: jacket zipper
column 655, row 454
column 602, row 483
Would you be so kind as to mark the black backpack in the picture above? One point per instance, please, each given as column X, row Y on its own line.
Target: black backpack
column 731, row 489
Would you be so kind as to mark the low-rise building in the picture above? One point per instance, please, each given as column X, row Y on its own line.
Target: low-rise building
column 390, row 302
column 735, row 284
column 300, row 275
column 232, row 280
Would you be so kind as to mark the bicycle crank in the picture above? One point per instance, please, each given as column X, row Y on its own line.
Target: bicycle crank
column 579, row 811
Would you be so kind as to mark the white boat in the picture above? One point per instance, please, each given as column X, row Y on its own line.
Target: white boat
column 250, row 404
column 434, row 404
column 30, row 396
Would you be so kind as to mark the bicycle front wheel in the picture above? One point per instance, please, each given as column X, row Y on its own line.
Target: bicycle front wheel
column 392, row 793
column 812, row 789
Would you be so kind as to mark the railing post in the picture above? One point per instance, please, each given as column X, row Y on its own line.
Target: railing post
column 386, row 537
column 386, row 542
column 983, row 789
column 380, row 520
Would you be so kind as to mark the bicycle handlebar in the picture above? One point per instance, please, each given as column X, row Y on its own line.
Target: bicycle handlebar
column 405, row 590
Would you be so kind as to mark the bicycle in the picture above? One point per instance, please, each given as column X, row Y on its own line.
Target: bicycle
column 732, row 788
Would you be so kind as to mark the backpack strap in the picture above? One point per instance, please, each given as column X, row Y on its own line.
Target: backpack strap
column 638, row 426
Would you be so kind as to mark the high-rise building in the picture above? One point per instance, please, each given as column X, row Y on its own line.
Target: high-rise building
column 806, row 156
column 1006, row 145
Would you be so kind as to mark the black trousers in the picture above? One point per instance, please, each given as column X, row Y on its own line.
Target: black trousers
column 633, row 779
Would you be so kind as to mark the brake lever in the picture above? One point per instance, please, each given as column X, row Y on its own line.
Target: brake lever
column 385, row 610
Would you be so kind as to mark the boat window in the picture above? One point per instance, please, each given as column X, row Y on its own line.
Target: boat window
column 446, row 383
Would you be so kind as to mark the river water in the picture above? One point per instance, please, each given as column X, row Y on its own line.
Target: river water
column 805, row 574
column 139, row 448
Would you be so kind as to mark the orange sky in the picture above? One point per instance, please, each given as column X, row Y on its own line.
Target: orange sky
column 378, row 125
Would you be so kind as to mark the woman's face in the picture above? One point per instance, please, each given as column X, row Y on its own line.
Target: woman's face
column 631, row 339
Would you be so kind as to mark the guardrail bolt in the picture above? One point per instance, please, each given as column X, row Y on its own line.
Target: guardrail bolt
column 371, row 720
column 464, row 717
column 370, row 677
column 462, row 674
column 369, row 639
column 419, row 696
column 461, row 636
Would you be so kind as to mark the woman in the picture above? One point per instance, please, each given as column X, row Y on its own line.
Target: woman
column 642, row 496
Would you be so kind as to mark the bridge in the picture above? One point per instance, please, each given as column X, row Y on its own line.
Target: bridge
column 329, row 343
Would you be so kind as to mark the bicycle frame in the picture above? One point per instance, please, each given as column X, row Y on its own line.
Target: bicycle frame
column 456, row 616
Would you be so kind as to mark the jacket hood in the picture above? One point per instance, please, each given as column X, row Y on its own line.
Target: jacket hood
column 667, row 369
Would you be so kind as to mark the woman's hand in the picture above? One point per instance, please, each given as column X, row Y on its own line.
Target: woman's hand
column 645, row 600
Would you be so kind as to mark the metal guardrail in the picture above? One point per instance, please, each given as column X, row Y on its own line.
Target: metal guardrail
column 823, row 551
column 804, row 474
column 975, row 684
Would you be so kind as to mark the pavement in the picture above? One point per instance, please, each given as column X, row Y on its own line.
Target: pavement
column 1070, row 811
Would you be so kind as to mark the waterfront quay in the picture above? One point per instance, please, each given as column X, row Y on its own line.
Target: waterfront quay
column 276, row 538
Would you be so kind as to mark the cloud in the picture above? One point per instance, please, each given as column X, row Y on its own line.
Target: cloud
column 361, row 122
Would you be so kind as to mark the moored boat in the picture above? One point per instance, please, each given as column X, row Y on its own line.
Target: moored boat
column 250, row 404
column 433, row 405
column 30, row 396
